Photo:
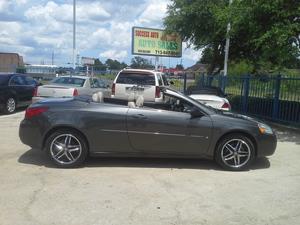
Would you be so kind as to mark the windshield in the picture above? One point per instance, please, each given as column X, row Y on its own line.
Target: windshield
column 69, row 81
column 194, row 102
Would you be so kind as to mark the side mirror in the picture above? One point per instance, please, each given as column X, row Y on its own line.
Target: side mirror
column 195, row 112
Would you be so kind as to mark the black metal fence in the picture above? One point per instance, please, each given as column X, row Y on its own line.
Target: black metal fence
column 275, row 97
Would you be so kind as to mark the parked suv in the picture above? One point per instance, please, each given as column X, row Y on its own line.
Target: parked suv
column 139, row 82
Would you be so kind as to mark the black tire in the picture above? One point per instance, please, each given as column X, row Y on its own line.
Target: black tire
column 10, row 105
column 55, row 145
column 236, row 158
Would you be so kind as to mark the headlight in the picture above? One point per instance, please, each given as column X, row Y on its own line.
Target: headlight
column 264, row 129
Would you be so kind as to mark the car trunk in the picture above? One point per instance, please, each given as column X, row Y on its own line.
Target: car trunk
column 55, row 91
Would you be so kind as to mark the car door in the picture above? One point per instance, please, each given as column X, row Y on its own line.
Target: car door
column 105, row 127
column 162, row 131
column 18, row 85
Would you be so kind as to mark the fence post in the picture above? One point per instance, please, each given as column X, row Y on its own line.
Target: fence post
column 276, row 97
column 222, row 83
column 245, row 94
column 184, row 83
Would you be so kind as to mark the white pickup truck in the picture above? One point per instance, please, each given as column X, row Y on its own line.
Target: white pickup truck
column 69, row 86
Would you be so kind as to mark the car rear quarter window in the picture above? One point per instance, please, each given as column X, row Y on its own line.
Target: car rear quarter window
column 136, row 78
column 17, row 80
column 69, row 81
column 30, row 81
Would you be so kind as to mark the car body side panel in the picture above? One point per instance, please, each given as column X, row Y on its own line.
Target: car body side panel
column 159, row 131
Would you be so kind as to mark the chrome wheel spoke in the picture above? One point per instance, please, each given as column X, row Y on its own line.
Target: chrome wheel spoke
column 238, row 146
column 237, row 160
column 229, row 158
column 59, row 153
column 58, row 145
column 74, row 149
column 243, row 155
column 67, row 140
column 68, row 157
column 229, row 155
column 229, row 148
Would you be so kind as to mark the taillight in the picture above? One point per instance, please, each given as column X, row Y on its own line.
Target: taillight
column 35, row 91
column 31, row 112
column 226, row 106
column 75, row 92
column 113, row 89
column 157, row 92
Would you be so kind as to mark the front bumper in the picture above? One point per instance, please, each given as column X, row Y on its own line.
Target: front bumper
column 266, row 145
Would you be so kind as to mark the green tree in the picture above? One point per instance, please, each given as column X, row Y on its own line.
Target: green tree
column 207, row 56
column 99, row 65
column 141, row 63
column 265, row 33
column 179, row 67
column 115, row 64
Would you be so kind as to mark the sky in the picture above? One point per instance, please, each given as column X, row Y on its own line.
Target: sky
column 37, row 28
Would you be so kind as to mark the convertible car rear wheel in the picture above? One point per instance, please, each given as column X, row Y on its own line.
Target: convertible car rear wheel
column 67, row 148
column 235, row 152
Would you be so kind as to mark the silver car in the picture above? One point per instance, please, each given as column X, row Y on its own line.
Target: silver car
column 69, row 86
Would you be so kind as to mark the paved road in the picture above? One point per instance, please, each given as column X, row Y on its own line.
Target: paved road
column 145, row 191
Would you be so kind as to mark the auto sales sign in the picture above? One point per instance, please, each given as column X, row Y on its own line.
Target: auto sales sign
column 155, row 42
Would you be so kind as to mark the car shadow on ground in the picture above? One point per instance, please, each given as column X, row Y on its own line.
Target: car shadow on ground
column 21, row 109
column 39, row 158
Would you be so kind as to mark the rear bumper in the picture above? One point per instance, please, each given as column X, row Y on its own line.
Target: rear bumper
column 30, row 134
column 266, row 145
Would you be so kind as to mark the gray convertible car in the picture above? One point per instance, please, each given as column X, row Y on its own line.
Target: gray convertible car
column 71, row 129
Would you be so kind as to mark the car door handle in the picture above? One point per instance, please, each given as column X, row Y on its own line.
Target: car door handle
column 139, row 116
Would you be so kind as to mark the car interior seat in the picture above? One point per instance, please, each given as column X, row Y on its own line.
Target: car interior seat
column 97, row 97
column 131, row 103
column 139, row 101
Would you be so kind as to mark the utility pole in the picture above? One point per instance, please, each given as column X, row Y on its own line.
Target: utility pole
column 227, row 47
column 52, row 58
column 74, row 35
column 156, row 62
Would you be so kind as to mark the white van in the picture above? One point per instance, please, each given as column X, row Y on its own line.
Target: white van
column 139, row 82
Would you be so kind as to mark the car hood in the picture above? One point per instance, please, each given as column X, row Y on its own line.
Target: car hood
column 231, row 115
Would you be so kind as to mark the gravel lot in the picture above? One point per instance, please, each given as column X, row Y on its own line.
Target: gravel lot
column 145, row 191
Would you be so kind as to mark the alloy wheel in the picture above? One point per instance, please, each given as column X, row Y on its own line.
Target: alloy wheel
column 65, row 149
column 11, row 105
column 235, row 153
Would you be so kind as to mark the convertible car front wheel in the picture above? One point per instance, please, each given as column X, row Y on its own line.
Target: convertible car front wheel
column 235, row 152
column 67, row 148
